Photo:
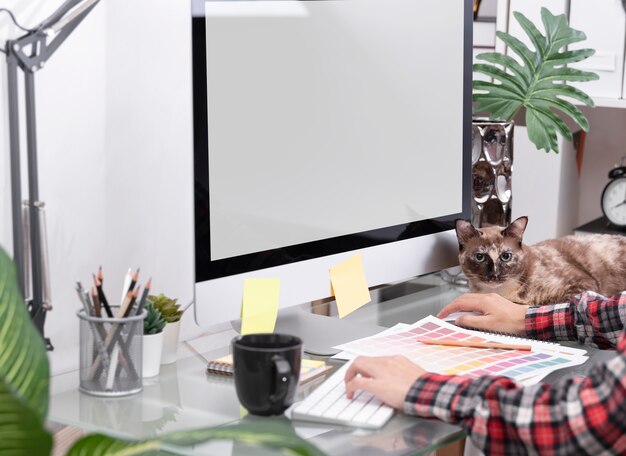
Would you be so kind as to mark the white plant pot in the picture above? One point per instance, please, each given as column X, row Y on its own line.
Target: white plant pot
column 170, row 342
column 152, row 349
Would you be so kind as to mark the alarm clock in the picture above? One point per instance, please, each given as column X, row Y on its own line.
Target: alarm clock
column 613, row 199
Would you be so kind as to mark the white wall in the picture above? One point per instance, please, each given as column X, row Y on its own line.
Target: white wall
column 149, row 196
column 604, row 147
column 70, row 105
column 545, row 188
column 115, row 154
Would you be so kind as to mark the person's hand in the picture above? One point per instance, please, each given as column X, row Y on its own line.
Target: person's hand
column 387, row 377
column 498, row 313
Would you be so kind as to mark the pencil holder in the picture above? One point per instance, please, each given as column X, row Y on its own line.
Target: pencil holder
column 110, row 354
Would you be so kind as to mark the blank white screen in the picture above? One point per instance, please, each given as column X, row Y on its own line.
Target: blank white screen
column 312, row 106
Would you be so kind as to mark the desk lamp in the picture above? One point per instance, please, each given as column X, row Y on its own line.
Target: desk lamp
column 30, row 53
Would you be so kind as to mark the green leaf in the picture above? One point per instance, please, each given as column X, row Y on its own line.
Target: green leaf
column 23, row 358
column 564, row 90
column 509, row 62
column 23, row 372
column 533, row 33
column 169, row 308
column 21, row 429
column 568, row 108
column 564, row 58
column 540, row 131
column 507, row 81
column 535, row 80
column 154, row 322
column 268, row 432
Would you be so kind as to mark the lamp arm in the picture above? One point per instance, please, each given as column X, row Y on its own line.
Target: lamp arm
column 30, row 52
column 34, row 48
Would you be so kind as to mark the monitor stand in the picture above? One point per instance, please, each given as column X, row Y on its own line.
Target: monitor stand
column 321, row 333
column 318, row 332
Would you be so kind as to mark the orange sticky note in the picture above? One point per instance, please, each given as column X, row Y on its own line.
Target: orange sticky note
column 259, row 307
column 349, row 285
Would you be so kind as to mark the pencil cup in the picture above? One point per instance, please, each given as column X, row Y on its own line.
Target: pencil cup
column 110, row 354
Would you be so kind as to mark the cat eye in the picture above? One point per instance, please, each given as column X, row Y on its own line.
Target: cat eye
column 506, row 256
column 479, row 257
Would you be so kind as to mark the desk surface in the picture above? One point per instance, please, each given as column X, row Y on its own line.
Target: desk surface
column 600, row 225
column 184, row 397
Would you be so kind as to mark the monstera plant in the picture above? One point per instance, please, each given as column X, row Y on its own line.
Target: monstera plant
column 24, row 394
column 537, row 80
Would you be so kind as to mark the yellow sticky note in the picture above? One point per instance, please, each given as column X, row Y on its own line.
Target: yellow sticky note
column 260, row 305
column 349, row 285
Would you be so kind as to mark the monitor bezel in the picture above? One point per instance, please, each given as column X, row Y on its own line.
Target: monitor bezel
column 207, row 269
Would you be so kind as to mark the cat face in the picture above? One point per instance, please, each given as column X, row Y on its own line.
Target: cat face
column 492, row 257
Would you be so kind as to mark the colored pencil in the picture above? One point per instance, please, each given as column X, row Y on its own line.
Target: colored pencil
column 133, row 282
column 128, row 278
column 97, row 312
column 461, row 343
column 112, row 334
column 103, row 300
column 144, row 296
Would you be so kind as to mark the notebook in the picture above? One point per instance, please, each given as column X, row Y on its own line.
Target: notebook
column 309, row 368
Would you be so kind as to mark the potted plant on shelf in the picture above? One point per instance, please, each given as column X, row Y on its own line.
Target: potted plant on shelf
column 171, row 313
column 152, row 340
column 536, row 80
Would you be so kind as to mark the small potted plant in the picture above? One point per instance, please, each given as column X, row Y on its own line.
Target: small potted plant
column 152, row 340
column 535, row 78
column 171, row 313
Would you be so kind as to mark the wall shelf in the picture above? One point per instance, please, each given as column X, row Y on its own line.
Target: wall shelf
column 604, row 102
column 609, row 102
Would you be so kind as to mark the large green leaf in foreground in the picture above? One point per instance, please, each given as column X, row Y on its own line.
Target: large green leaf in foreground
column 23, row 373
column 21, row 431
column 23, row 358
column 268, row 432
column 537, row 81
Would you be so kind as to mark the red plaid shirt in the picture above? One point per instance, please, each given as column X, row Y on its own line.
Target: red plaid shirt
column 571, row 417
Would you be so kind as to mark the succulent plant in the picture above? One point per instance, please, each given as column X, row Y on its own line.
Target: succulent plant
column 154, row 322
column 169, row 308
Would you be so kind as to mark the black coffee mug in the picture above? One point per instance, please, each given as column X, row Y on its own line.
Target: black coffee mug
column 267, row 371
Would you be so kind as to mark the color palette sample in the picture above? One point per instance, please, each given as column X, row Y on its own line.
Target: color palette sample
column 474, row 362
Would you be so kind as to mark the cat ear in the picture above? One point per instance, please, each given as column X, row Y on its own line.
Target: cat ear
column 516, row 229
column 465, row 231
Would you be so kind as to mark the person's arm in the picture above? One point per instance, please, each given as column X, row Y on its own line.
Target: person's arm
column 588, row 318
column 571, row 416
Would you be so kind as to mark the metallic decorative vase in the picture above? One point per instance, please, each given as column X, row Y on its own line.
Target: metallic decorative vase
column 492, row 165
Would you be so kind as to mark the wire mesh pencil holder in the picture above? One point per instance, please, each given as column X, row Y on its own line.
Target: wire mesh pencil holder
column 111, row 354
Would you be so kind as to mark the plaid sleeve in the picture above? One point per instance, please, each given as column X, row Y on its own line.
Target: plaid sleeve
column 589, row 318
column 571, row 416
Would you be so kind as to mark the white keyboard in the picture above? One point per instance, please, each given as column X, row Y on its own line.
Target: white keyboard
column 329, row 404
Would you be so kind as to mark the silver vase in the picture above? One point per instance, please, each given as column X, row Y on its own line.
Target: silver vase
column 492, row 165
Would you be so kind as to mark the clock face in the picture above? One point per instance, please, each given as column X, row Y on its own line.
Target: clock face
column 614, row 201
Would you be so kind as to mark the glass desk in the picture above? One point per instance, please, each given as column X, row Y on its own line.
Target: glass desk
column 185, row 397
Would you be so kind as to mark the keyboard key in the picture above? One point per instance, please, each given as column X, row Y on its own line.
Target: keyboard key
column 329, row 404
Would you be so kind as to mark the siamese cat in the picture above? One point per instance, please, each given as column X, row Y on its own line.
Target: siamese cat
column 495, row 260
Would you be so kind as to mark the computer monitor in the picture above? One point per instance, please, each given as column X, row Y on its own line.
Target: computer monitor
column 322, row 129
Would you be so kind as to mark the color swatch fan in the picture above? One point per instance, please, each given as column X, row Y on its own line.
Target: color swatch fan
column 522, row 365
